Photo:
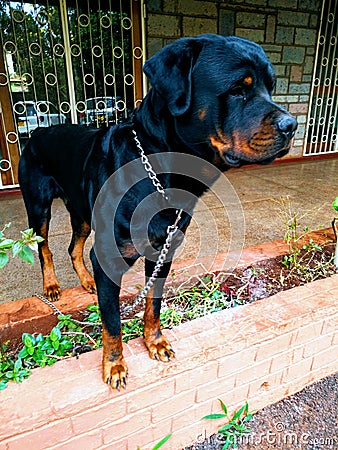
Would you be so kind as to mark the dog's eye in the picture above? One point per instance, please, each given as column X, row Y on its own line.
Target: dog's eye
column 237, row 91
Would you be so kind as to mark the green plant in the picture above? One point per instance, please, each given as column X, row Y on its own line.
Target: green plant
column 11, row 369
column 159, row 444
column 132, row 329
column 235, row 427
column 22, row 248
column 43, row 350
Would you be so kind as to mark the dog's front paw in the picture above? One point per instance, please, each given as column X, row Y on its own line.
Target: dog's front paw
column 159, row 348
column 89, row 285
column 115, row 373
column 52, row 291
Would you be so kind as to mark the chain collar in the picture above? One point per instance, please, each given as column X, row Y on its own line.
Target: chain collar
column 149, row 169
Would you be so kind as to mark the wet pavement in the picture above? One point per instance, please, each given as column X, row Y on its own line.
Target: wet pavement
column 247, row 206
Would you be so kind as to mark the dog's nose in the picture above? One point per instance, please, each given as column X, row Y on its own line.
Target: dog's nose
column 287, row 125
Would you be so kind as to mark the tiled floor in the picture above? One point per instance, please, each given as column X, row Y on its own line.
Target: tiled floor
column 242, row 209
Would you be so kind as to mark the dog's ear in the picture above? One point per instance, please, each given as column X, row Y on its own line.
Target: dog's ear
column 169, row 72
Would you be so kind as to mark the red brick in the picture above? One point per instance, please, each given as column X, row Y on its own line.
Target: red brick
column 169, row 408
column 325, row 358
column 318, row 345
column 272, row 347
column 265, row 384
column 30, row 411
column 99, row 416
column 252, row 372
column 330, row 324
column 153, row 394
column 40, row 438
column 295, row 108
column 196, row 377
column 307, row 333
column 297, row 370
column 197, row 326
column 89, row 440
column 335, row 339
column 195, row 414
column 291, row 356
column 149, row 436
column 120, row 429
column 215, row 389
column 76, row 393
column 235, row 362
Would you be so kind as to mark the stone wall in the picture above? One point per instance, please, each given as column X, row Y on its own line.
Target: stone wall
column 287, row 29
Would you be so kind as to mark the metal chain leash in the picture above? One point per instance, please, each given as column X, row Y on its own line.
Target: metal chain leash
column 149, row 169
column 171, row 231
column 60, row 313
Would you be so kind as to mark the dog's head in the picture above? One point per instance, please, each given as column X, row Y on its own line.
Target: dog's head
column 218, row 90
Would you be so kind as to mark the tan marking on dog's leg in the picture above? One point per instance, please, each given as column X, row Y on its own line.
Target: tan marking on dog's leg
column 158, row 346
column 51, row 287
column 114, row 367
column 78, row 240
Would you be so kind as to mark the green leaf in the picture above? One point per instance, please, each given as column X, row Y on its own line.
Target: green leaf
column 335, row 204
column 3, row 259
column 225, row 409
column 55, row 334
column 3, row 384
column 162, row 442
column 30, row 350
column 56, row 344
column 18, row 364
column 26, row 255
column 28, row 340
column 27, row 234
column 23, row 353
column 214, row 416
column 6, row 244
column 226, row 427
column 238, row 413
column 17, row 247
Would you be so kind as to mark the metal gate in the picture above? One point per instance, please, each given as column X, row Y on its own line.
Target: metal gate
column 321, row 135
column 65, row 61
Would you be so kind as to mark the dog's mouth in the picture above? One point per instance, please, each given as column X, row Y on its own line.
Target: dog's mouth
column 234, row 161
column 228, row 156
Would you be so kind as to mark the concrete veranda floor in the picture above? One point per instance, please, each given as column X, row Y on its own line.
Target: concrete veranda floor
column 246, row 207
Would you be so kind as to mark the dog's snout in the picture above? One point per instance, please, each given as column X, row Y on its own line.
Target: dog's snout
column 287, row 125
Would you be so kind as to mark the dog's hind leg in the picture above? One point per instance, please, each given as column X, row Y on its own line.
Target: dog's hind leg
column 81, row 231
column 38, row 191
column 158, row 345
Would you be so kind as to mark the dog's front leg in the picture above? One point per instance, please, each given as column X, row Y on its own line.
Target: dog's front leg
column 158, row 345
column 114, row 367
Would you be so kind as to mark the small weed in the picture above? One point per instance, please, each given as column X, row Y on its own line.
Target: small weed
column 43, row 350
column 22, row 248
column 159, row 444
column 235, row 427
column 11, row 369
column 207, row 296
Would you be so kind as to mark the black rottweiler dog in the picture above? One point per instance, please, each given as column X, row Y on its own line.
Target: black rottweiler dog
column 210, row 99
